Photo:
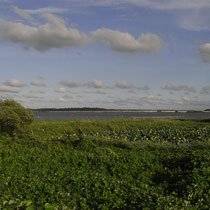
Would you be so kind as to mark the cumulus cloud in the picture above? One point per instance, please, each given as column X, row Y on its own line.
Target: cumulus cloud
column 101, row 92
column 151, row 100
column 90, row 84
column 38, row 83
column 37, row 92
column 13, row 83
column 71, row 84
column 205, row 90
column 31, row 96
column 98, row 84
column 9, row 89
column 179, row 88
column 204, row 52
column 130, row 86
column 125, row 42
column 123, row 85
column 95, row 84
column 146, row 87
column 139, row 101
column 53, row 34
column 157, row 102
column 61, row 90
column 40, row 77
column 68, row 96
column 188, row 102
column 61, row 99
column 56, row 34
column 132, row 91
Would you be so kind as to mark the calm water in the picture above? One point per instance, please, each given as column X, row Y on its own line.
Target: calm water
column 113, row 115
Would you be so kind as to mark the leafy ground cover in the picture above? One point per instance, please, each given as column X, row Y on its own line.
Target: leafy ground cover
column 107, row 164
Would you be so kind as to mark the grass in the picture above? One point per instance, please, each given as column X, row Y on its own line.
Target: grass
column 107, row 164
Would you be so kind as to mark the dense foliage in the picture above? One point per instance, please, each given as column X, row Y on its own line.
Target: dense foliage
column 14, row 118
column 110, row 164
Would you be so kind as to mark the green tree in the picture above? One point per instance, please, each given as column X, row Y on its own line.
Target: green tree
column 14, row 118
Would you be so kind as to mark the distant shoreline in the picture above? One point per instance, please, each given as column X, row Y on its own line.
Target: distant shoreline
column 123, row 111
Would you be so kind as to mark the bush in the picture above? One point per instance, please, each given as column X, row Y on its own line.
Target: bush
column 14, row 118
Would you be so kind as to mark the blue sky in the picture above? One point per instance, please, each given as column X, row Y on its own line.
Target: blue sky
column 141, row 54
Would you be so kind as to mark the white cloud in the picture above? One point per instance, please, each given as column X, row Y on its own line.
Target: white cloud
column 56, row 34
column 38, row 83
column 24, row 14
column 123, row 85
column 152, row 4
column 9, row 89
column 68, row 96
column 194, row 20
column 179, row 88
column 13, row 83
column 101, row 92
column 53, row 34
column 46, row 10
column 53, row 19
column 205, row 90
column 90, row 84
column 6, row 1
column 95, row 84
column 146, row 87
column 128, row 85
column 171, row 4
column 88, row 3
column 61, row 90
column 71, row 84
column 189, row 14
column 98, row 84
column 125, row 42
column 61, row 99
column 30, row 96
column 132, row 91
column 37, row 92
column 188, row 102
column 40, row 77
column 204, row 52
column 155, row 102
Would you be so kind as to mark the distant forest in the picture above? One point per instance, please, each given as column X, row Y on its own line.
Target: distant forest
column 103, row 109
column 72, row 109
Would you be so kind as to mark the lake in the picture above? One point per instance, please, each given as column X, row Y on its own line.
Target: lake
column 56, row 115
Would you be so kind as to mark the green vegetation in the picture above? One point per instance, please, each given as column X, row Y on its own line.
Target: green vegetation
column 14, row 118
column 107, row 164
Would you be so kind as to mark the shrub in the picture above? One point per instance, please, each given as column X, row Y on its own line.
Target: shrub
column 14, row 118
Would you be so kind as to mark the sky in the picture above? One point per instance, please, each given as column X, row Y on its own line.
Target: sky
column 123, row 54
